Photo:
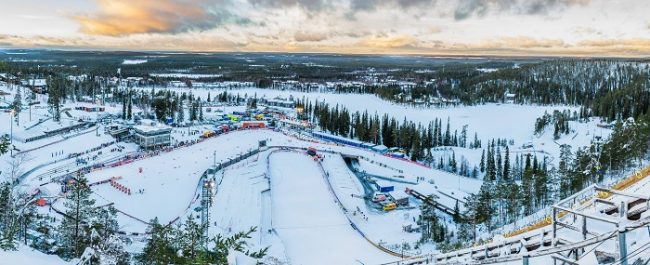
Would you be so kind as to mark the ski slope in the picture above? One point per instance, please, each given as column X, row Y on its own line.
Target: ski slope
column 312, row 227
column 169, row 180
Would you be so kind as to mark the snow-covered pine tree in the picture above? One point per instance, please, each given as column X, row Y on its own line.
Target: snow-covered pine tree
column 129, row 110
column 107, row 246
column 506, row 165
column 74, row 230
column 158, row 250
column 191, row 240
column 482, row 164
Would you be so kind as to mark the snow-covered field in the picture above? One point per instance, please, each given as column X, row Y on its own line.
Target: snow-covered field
column 174, row 173
column 312, row 227
column 489, row 121
column 304, row 214
column 27, row 256
column 133, row 62
column 185, row 75
column 179, row 171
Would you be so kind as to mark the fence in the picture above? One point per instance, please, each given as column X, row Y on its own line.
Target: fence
column 621, row 185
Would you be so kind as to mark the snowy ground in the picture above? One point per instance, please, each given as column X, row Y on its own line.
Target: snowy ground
column 283, row 194
column 25, row 255
column 307, row 219
column 489, row 121
column 174, row 173
column 243, row 199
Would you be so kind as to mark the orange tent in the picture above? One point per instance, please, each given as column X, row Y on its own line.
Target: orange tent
column 41, row 202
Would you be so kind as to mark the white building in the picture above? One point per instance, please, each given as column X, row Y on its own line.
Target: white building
column 150, row 134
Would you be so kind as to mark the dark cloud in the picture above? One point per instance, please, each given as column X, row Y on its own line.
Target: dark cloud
column 311, row 5
column 369, row 5
column 468, row 8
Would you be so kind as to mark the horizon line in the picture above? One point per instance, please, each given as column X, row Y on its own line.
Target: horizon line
column 430, row 55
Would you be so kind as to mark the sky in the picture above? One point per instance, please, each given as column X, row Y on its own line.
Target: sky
column 616, row 28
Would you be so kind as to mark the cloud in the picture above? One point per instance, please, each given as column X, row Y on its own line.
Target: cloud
column 587, row 31
column 40, row 41
column 376, row 43
column 311, row 5
column 388, row 42
column 302, row 36
column 163, row 42
column 434, row 30
column 521, row 42
column 126, row 17
column 617, row 46
column 369, row 5
column 468, row 8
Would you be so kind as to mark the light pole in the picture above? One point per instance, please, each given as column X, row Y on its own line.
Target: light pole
column 214, row 163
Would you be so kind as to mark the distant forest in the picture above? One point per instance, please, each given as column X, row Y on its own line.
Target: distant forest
column 612, row 88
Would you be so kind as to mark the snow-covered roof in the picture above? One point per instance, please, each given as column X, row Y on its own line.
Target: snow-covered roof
column 147, row 126
column 380, row 148
column 36, row 82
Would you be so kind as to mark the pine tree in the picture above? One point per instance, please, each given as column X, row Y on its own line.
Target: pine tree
column 56, row 96
column 193, row 111
column 447, row 139
column 74, row 230
column 124, row 108
column 200, row 106
column 457, row 217
column 482, row 164
column 452, row 163
column 17, row 104
column 180, row 116
column 439, row 133
column 436, row 141
column 506, row 165
column 191, row 239
column 490, row 167
column 158, row 250
column 527, row 186
column 4, row 144
column 463, row 137
column 237, row 242
column 129, row 110
column 431, row 224
column 108, row 247
column 499, row 163
column 8, row 218
column 45, row 241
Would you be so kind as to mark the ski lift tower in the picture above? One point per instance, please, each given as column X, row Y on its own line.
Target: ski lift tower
column 206, row 201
